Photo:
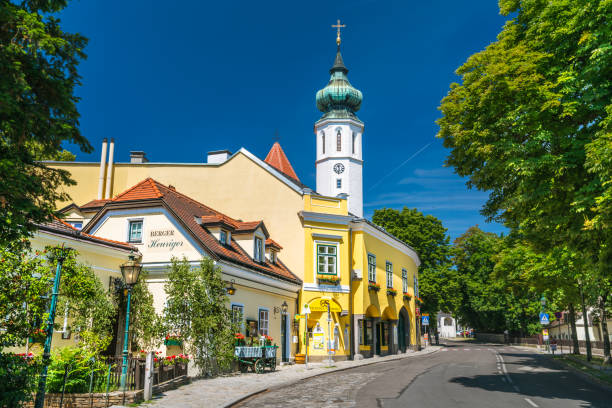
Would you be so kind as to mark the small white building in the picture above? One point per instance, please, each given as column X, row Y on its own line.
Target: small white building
column 447, row 325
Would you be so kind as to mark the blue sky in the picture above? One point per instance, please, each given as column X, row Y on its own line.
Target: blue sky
column 178, row 79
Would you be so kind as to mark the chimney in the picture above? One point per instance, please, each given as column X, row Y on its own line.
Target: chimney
column 109, row 170
column 138, row 157
column 171, row 187
column 102, row 168
column 218, row 156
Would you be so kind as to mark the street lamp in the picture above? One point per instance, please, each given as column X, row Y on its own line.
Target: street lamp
column 130, row 272
column 230, row 289
column 284, row 307
column 60, row 256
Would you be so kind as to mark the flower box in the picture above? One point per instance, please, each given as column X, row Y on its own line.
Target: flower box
column 373, row 286
column 328, row 280
column 407, row 297
column 173, row 342
column 391, row 292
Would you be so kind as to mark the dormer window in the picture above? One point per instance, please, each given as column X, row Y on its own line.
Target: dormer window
column 273, row 257
column 223, row 237
column 259, row 250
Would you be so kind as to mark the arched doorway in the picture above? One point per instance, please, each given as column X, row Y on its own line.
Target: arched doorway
column 403, row 330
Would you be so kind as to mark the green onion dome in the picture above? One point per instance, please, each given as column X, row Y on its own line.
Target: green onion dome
column 339, row 99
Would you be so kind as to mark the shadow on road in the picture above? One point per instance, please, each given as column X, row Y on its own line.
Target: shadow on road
column 537, row 377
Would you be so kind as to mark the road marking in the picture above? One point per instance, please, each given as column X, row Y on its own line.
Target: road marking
column 533, row 404
column 467, row 349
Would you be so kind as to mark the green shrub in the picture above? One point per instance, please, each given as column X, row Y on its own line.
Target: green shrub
column 80, row 365
column 18, row 378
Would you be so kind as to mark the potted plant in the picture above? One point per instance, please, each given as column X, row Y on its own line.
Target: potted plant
column 407, row 296
column 168, row 362
column 173, row 340
column 239, row 339
column 391, row 292
column 267, row 340
column 418, row 300
column 373, row 286
column 182, row 360
column 328, row 279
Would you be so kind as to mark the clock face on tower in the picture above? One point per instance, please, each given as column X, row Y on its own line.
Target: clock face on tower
column 338, row 168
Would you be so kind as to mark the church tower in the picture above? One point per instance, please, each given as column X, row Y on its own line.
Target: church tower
column 339, row 133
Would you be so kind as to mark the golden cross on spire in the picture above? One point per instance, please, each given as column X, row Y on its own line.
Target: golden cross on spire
column 338, row 26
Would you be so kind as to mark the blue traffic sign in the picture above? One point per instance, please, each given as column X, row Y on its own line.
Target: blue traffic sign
column 544, row 319
column 425, row 320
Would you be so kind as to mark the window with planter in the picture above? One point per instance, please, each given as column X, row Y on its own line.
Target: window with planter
column 326, row 259
column 263, row 321
column 389, row 270
column 135, row 231
column 404, row 281
column 372, row 268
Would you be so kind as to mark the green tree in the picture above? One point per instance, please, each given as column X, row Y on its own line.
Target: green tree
column 197, row 310
column 38, row 76
column 27, row 279
column 427, row 235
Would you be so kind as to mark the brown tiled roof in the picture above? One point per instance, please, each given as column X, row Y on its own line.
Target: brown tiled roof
column 93, row 205
column 63, row 228
column 190, row 212
column 276, row 158
column 271, row 243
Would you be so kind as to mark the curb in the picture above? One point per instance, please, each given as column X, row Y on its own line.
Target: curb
column 585, row 376
column 335, row 370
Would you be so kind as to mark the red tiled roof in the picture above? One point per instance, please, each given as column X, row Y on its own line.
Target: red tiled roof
column 276, row 158
column 62, row 227
column 271, row 243
column 146, row 189
column 93, row 204
column 189, row 210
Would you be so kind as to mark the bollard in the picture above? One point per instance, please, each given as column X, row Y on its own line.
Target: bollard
column 148, row 379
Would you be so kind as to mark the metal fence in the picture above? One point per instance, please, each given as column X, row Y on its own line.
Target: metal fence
column 136, row 372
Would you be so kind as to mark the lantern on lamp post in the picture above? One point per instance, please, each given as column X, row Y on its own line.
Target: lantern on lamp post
column 130, row 272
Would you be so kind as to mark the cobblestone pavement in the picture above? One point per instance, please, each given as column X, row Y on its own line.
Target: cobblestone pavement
column 223, row 391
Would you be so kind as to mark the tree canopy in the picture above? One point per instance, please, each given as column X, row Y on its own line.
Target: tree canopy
column 38, row 112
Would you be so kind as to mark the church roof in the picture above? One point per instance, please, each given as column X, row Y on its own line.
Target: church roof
column 276, row 158
column 339, row 99
column 195, row 216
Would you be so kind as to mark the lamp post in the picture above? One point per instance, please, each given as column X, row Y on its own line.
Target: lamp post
column 42, row 382
column 130, row 272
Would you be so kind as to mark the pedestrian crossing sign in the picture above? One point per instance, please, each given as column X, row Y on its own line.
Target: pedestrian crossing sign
column 544, row 319
column 425, row 320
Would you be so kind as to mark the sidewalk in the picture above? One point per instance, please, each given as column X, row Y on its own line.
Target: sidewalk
column 228, row 390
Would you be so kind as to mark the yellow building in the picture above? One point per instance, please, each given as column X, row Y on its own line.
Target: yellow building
column 365, row 320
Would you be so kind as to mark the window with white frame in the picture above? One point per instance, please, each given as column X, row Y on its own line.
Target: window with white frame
column 405, row 281
column 135, row 231
column 326, row 259
column 339, row 141
column 389, row 270
column 263, row 321
column 371, row 268
column 259, row 250
column 338, row 183
column 223, row 237
column 76, row 224
column 237, row 313
column 354, row 137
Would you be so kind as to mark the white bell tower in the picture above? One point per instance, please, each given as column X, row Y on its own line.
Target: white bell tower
column 339, row 134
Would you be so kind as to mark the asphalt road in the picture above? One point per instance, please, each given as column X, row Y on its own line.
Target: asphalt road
column 459, row 375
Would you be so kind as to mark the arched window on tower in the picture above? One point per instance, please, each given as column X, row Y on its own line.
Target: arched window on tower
column 339, row 141
column 323, row 141
column 354, row 137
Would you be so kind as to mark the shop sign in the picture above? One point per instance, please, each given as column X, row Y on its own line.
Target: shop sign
column 318, row 338
column 320, row 305
column 164, row 239
column 299, row 316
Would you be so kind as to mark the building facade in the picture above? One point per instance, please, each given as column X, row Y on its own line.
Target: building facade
column 366, row 277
